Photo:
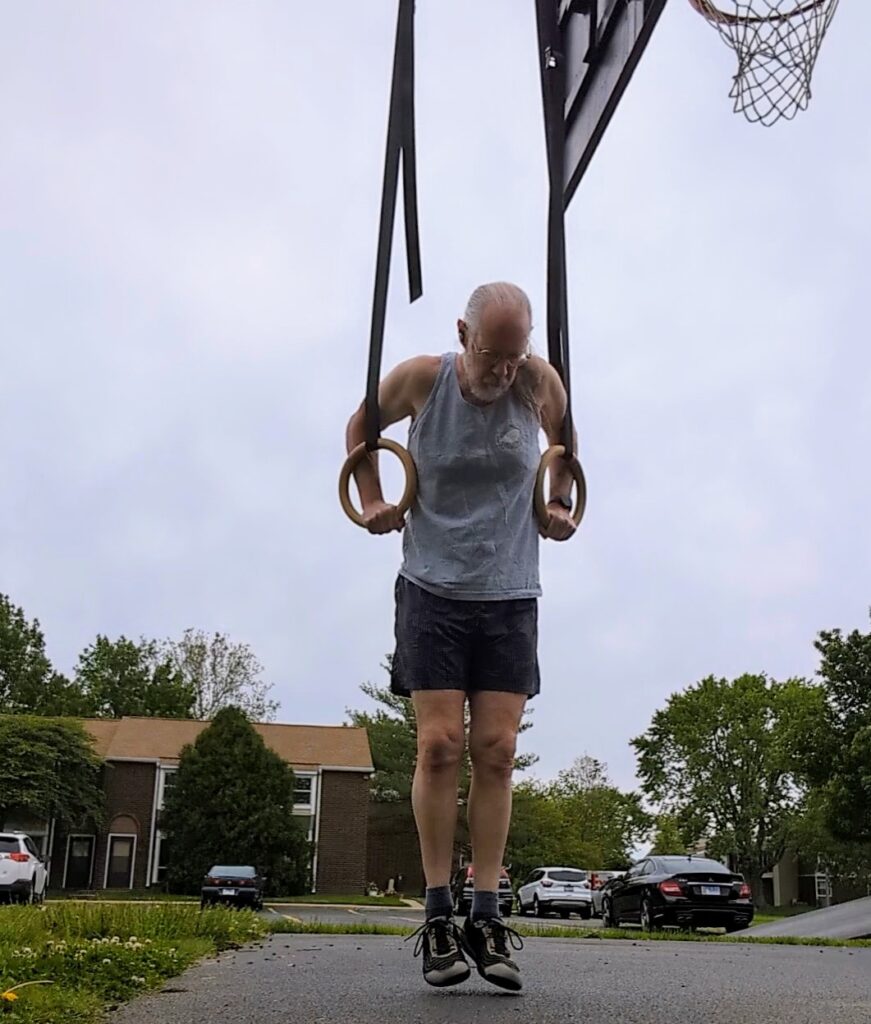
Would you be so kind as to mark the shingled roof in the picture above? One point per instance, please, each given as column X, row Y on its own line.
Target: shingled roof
column 301, row 746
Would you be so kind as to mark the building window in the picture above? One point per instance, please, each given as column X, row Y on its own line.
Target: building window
column 161, row 860
column 302, row 790
column 167, row 781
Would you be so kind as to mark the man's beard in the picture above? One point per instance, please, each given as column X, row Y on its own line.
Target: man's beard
column 488, row 393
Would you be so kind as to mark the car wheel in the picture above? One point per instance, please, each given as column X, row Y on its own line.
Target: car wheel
column 647, row 922
column 736, row 926
column 536, row 907
column 521, row 908
column 609, row 915
column 29, row 898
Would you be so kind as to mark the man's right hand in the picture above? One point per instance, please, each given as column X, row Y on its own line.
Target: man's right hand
column 379, row 517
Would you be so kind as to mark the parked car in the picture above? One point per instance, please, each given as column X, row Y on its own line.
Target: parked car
column 463, row 888
column 237, row 886
column 566, row 890
column 598, row 882
column 690, row 892
column 23, row 872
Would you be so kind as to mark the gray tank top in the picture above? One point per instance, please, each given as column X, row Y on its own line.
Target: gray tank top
column 472, row 533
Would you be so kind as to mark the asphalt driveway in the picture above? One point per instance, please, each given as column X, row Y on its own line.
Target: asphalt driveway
column 348, row 979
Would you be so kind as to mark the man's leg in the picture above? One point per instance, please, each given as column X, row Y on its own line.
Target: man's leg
column 440, row 742
column 495, row 720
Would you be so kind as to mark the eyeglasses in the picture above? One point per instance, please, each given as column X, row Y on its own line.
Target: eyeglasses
column 494, row 358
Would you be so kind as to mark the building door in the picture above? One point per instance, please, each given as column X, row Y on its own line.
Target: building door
column 80, row 859
column 120, row 864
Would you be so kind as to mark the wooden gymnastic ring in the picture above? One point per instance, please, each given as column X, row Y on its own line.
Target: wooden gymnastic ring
column 356, row 456
column 554, row 452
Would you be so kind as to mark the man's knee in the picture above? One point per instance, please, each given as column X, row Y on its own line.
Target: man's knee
column 439, row 749
column 494, row 753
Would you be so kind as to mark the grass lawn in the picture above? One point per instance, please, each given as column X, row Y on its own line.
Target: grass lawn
column 348, row 901
column 287, row 926
column 119, row 896
column 67, row 963
column 154, row 896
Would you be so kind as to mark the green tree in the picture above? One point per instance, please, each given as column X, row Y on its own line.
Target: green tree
column 121, row 677
column 221, row 674
column 48, row 768
column 232, row 803
column 537, row 836
column 669, row 837
column 848, row 860
column 610, row 821
column 839, row 761
column 724, row 758
column 28, row 683
column 580, row 819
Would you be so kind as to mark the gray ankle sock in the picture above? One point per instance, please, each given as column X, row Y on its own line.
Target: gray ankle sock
column 485, row 905
column 439, row 902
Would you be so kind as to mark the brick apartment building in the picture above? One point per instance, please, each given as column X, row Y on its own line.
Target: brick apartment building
column 332, row 766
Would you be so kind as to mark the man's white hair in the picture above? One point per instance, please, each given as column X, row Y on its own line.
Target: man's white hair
column 502, row 293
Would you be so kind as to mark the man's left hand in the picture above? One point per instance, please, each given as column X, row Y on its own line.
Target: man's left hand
column 560, row 525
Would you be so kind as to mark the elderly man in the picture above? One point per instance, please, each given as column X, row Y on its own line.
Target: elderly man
column 466, row 597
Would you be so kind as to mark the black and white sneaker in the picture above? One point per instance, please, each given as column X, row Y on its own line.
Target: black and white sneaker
column 439, row 939
column 487, row 943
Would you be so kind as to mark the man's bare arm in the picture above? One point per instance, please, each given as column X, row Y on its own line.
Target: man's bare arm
column 401, row 394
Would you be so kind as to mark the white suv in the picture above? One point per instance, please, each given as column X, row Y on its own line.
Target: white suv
column 23, row 874
column 564, row 889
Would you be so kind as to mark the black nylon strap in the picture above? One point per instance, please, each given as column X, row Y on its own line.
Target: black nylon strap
column 400, row 143
column 553, row 78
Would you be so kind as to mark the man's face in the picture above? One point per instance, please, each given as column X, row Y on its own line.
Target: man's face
column 496, row 351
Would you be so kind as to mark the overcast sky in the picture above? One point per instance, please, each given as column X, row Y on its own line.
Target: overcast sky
column 187, row 236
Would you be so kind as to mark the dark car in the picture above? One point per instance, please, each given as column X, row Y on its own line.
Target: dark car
column 239, row 886
column 463, row 887
column 690, row 892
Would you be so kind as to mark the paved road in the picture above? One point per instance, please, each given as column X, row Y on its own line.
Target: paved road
column 404, row 917
column 846, row 921
column 348, row 979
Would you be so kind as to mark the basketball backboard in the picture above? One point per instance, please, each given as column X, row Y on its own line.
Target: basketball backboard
column 602, row 43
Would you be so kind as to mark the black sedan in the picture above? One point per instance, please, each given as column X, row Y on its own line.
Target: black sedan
column 239, row 886
column 690, row 892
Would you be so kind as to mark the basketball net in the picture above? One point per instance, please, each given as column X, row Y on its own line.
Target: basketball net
column 777, row 42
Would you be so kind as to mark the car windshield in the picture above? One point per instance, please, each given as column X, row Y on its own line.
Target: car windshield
column 8, row 845
column 568, row 876
column 692, row 864
column 236, row 872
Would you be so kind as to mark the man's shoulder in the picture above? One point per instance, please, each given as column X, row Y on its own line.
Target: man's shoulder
column 423, row 367
column 542, row 370
column 420, row 372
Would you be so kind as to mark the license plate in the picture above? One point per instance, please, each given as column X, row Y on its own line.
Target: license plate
column 710, row 890
column 569, row 888
column 228, row 892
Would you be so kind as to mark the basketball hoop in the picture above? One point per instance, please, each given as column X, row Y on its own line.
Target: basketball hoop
column 777, row 42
